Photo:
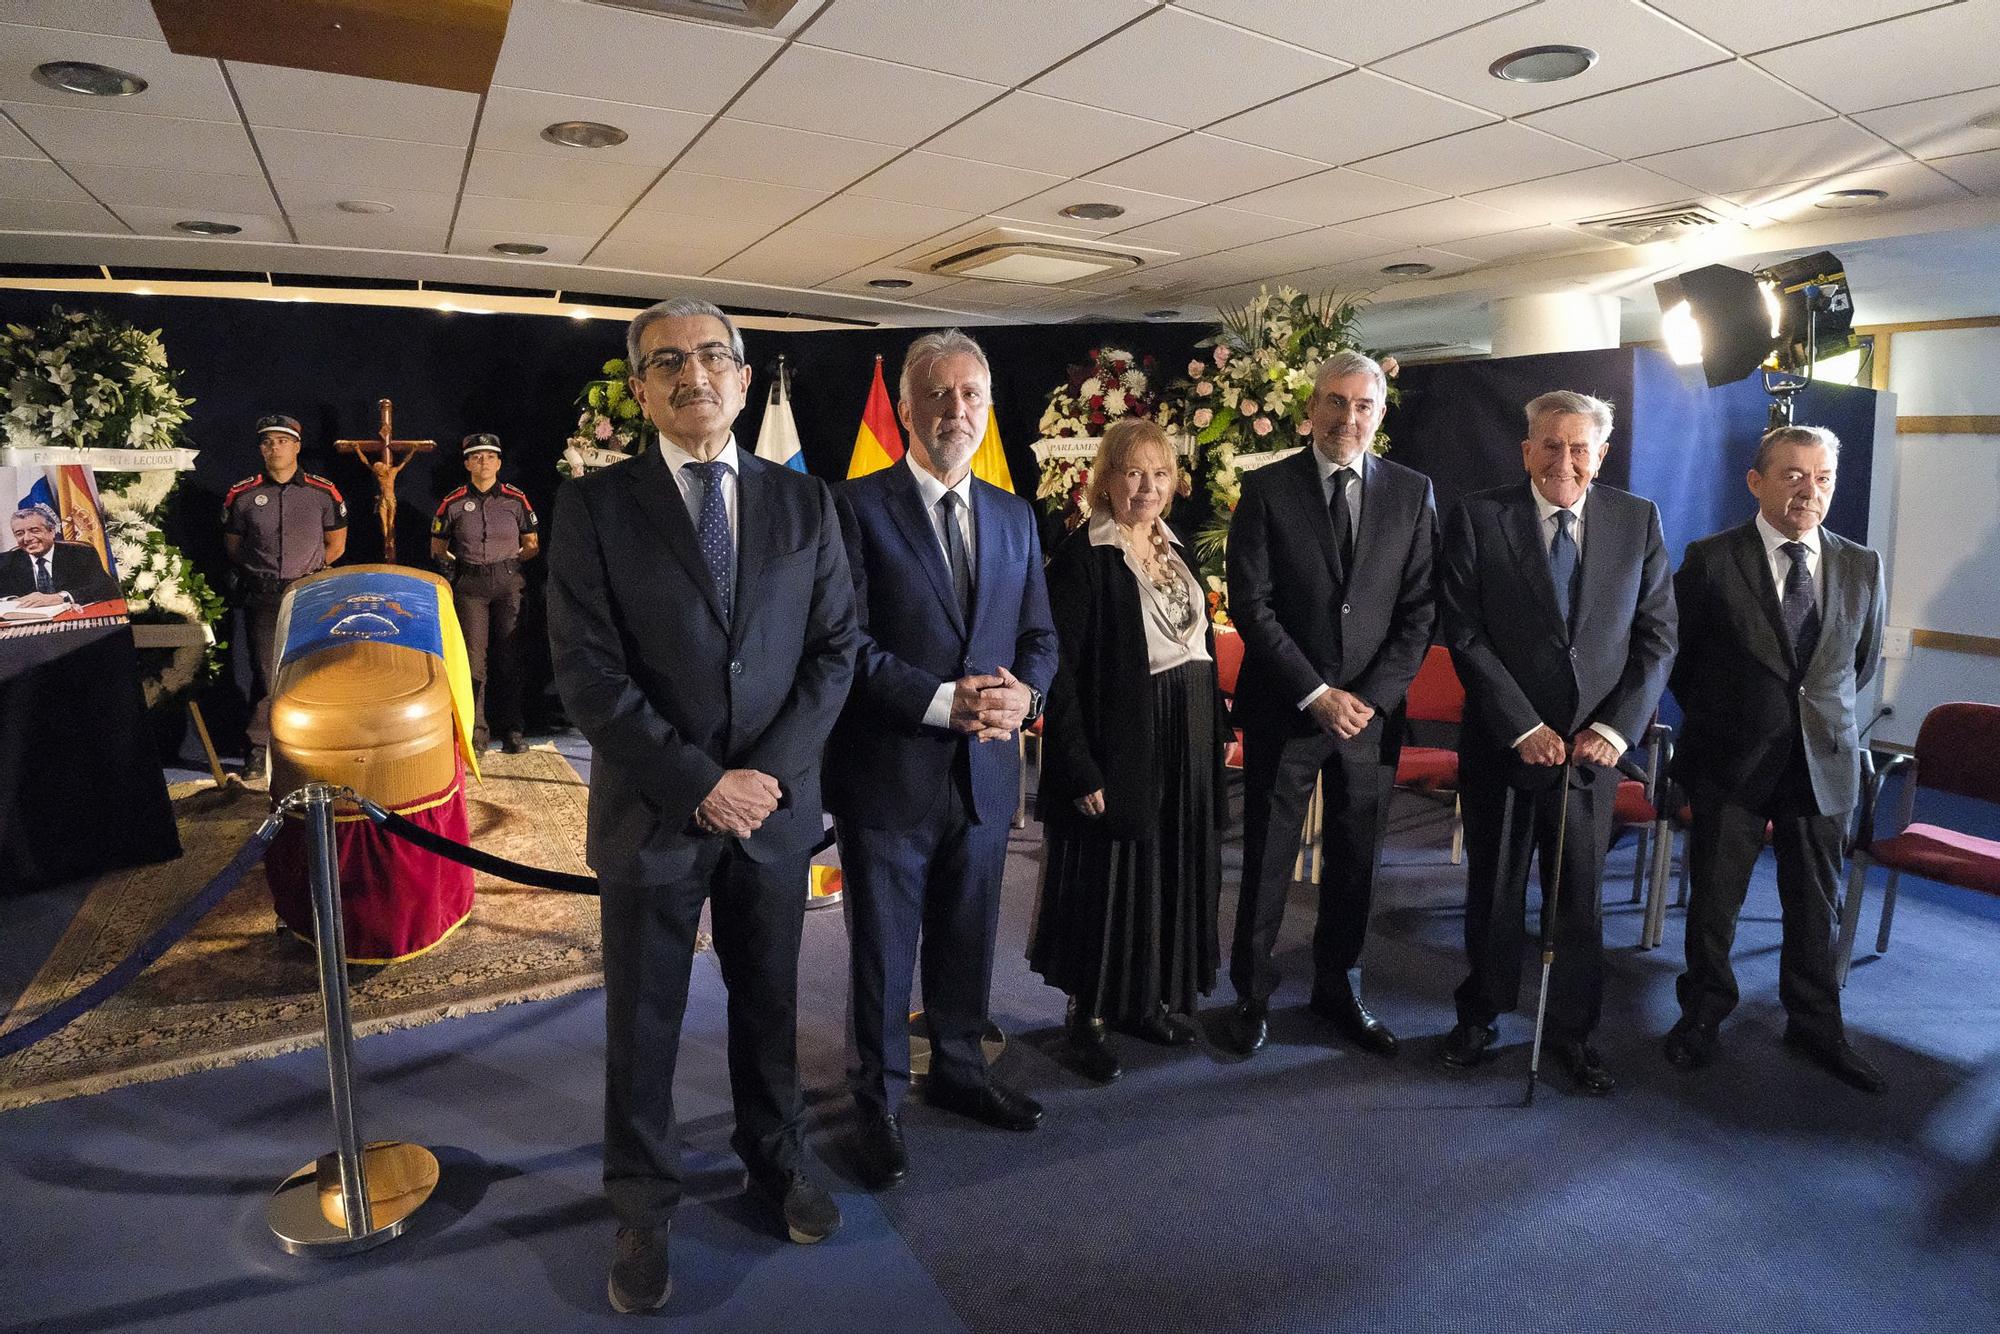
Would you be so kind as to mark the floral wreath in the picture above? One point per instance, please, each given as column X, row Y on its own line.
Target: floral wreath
column 610, row 426
column 1113, row 384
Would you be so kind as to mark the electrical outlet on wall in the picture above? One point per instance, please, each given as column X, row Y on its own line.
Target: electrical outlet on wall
column 1896, row 642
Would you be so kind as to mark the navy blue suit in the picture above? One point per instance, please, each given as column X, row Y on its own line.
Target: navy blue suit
column 923, row 812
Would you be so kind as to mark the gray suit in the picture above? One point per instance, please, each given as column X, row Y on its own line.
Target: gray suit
column 1768, row 739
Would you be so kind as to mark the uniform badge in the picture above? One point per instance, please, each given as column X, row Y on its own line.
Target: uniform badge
column 262, row 500
column 471, row 506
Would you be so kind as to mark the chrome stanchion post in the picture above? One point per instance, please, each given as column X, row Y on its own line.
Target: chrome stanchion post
column 325, row 1207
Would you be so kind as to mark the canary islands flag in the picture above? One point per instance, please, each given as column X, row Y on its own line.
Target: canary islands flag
column 778, row 437
column 878, row 443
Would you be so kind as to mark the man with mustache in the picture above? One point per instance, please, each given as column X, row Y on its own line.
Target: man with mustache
column 1559, row 613
column 1783, row 628
column 957, row 646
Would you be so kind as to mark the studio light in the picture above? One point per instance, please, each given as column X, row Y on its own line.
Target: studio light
column 1783, row 318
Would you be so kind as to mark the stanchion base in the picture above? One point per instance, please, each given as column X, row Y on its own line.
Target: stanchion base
column 308, row 1214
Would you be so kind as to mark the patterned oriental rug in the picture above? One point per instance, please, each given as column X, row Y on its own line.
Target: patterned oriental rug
column 237, row 988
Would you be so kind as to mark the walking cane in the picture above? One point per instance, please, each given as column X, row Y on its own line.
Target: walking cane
column 1551, row 901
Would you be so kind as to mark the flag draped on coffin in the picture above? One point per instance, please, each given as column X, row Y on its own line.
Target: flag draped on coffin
column 878, row 443
column 778, row 437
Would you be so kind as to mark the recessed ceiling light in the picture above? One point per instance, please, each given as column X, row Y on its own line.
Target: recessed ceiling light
column 1161, row 314
column 200, row 227
column 1850, row 198
column 1989, row 121
column 519, row 248
column 1407, row 270
column 364, row 206
column 1543, row 64
column 80, row 76
column 1094, row 212
column 585, row 134
column 889, row 284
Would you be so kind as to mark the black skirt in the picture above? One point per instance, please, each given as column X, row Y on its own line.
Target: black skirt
column 1128, row 925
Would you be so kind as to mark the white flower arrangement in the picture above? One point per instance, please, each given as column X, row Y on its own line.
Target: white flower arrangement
column 89, row 382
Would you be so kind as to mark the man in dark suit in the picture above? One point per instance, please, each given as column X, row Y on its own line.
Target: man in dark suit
column 1783, row 625
column 701, row 618
column 43, row 571
column 1330, row 563
column 922, row 772
column 1559, row 613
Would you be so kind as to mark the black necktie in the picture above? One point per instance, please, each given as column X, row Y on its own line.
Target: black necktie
column 1343, row 521
column 43, row 583
column 1563, row 563
column 711, row 530
column 954, row 548
column 1801, row 607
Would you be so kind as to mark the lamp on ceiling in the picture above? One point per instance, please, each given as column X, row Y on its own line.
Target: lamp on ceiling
column 1782, row 318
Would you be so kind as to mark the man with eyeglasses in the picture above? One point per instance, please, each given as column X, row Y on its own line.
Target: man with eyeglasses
column 701, row 621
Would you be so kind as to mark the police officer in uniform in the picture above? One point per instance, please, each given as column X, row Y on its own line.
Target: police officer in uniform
column 480, row 537
column 278, row 526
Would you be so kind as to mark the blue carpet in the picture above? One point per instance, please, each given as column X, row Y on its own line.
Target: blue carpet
column 1310, row 1188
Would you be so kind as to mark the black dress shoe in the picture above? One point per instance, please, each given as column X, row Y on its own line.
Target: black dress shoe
column 1246, row 1027
column 640, row 1280
column 878, row 1148
column 1689, row 1045
column 800, row 1206
column 1580, row 1060
column 992, row 1103
column 1350, row 1019
column 1089, row 1051
column 1163, row 1029
column 514, row 744
column 1465, row 1046
column 1837, row 1058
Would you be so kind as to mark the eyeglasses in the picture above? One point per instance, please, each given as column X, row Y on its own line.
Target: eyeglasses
column 668, row 362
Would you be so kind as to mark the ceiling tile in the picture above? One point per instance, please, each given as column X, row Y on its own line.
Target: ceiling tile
column 160, row 222
column 1948, row 50
column 690, row 233
column 562, row 249
column 55, row 215
column 979, row 226
column 1748, row 28
column 1357, row 115
column 747, row 204
column 1351, row 32
column 1333, row 196
column 185, row 86
column 952, row 182
column 1214, row 228
column 1368, row 274
column 306, row 201
column 1139, row 205
column 575, row 178
column 1910, row 185
column 1185, row 69
column 1047, row 134
column 515, row 118
column 38, row 178
column 564, row 217
column 1938, row 126
column 1205, row 167
column 562, row 47
column 1285, row 254
column 1974, row 171
column 1004, row 43
column 857, row 282
column 893, row 223
column 1722, row 101
column 365, row 164
column 1612, row 188
column 72, row 135
column 1444, row 220
column 1774, row 157
column 1500, row 154
column 164, row 187
column 1633, row 44
column 370, row 233
column 807, row 88
column 116, row 18
column 1529, row 243
column 797, row 257
column 738, row 148
column 628, row 247
column 15, row 144
column 300, row 99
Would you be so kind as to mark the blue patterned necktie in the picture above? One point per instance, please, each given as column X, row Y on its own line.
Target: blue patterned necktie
column 711, row 531
column 1801, row 608
column 43, row 582
column 1563, row 563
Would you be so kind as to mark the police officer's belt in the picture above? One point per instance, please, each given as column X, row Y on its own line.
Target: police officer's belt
column 508, row 566
column 267, row 585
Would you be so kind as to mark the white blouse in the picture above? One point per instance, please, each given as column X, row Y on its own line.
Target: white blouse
column 1167, row 646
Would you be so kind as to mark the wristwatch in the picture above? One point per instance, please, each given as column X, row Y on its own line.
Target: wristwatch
column 1034, row 706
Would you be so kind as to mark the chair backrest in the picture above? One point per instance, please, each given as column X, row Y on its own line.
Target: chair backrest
column 1436, row 695
column 1228, row 660
column 1956, row 750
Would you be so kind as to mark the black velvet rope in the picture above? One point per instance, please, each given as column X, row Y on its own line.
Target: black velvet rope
column 430, row 841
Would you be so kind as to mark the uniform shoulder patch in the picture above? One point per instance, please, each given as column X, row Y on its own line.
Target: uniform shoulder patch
column 314, row 479
column 240, row 487
column 446, row 502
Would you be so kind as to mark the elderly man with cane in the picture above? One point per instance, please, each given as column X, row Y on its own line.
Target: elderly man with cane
column 1559, row 613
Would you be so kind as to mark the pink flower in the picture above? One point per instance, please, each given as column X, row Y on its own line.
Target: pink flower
column 1306, row 427
column 1205, row 388
column 1248, row 407
column 1221, row 355
column 1196, row 368
column 1202, row 417
column 603, row 431
column 1262, row 426
column 1389, row 367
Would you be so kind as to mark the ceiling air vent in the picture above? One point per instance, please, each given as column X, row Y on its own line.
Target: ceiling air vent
column 1653, row 224
column 1008, row 255
column 1415, row 352
column 736, row 13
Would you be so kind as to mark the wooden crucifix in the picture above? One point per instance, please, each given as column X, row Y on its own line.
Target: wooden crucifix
column 385, row 469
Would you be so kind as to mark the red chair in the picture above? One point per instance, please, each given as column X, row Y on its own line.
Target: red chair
column 1955, row 754
column 1228, row 664
column 1436, row 696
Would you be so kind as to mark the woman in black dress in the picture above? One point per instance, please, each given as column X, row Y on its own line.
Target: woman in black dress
column 1131, row 767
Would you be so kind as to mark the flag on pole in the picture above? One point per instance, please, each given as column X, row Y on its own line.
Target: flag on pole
column 989, row 461
column 878, row 443
column 778, row 437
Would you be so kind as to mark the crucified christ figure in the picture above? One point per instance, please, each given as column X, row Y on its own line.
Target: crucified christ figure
column 385, row 466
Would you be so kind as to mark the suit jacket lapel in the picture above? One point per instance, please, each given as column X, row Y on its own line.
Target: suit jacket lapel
column 990, row 530
column 1601, row 532
column 753, row 527
column 1521, row 521
column 906, row 507
column 1753, row 566
column 659, row 499
column 1311, row 492
column 1834, row 570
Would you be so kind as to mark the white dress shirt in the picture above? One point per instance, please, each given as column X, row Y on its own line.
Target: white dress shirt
column 677, row 458
column 931, row 491
column 1166, row 648
column 1327, row 468
column 1780, row 562
column 1547, row 511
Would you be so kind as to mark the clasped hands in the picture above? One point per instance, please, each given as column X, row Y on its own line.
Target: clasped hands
column 1343, row 714
column 989, row 708
column 1544, row 746
column 739, row 803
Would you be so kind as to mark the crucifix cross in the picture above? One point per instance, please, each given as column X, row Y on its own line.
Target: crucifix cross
column 385, row 467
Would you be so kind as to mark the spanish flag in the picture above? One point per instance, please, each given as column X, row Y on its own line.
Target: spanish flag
column 82, row 515
column 878, row 443
column 989, row 461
